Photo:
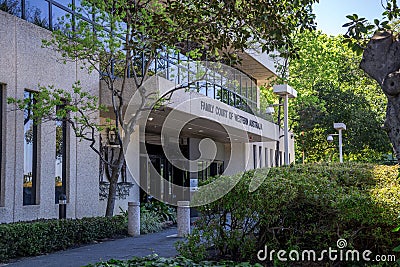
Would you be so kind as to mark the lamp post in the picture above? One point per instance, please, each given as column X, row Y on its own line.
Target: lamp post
column 339, row 127
column 286, row 92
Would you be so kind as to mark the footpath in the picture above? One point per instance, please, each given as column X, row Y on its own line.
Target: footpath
column 161, row 243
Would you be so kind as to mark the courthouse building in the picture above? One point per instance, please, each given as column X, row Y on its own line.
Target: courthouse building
column 39, row 162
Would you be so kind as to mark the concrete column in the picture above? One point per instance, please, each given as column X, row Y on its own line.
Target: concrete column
column 340, row 146
column 134, row 218
column 286, row 126
column 183, row 214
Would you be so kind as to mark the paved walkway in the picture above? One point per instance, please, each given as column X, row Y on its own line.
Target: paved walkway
column 160, row 243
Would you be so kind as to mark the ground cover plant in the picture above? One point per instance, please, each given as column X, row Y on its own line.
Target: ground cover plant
column 154, row 260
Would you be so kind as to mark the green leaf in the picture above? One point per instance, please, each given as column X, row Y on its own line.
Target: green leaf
column 347, row 24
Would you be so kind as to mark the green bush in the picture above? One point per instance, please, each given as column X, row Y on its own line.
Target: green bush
column 154, row 260
column 150, row 222
column 168, row 213
column 301, row 207
column 43, row 236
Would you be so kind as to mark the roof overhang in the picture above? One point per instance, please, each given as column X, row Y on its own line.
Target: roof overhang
column 258, row 65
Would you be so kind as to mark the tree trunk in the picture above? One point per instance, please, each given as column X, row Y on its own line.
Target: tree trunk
column 381, row 60
column 112, row 191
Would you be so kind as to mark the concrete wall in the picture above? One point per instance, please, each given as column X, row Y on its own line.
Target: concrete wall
column 24, row 65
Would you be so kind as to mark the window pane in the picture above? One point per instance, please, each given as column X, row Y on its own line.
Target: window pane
column 61, row 19
column 210, row 90
column 60, row 161
column 218, row 92
column 37, row 12
column 30, row 148
column 250, row 90
column 1, row 138
column 254, row 157
column 202, row 87
column 225, row 96
column 66, row 3
column 11, row 6
column 254, row 90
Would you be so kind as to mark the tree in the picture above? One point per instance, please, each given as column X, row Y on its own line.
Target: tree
column 128, row 36
column 380, row 48
column 332, row 88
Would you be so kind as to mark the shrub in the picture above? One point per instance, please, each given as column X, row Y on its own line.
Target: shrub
column 150, row 222
column 167, row 213
column 44, row 236
column 301, row 207
column 154, row 260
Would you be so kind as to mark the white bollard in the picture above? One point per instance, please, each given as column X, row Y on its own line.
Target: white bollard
column 183, row 214
column 134, row 218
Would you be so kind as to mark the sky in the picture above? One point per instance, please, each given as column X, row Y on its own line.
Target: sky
column 331, row 14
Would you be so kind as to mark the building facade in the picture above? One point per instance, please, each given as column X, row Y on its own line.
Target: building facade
column 41, row 161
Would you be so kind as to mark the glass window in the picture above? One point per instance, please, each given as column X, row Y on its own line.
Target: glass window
column 259, row 156
column 77, row 3
column 266, row 157
column 30, row 153
column 61, row 19
column 66, row 3
column 250, row 90
column 12, row 7
column 218, row 92
column 254, row 157
column 220, row 167
column 82, row 11
column 202, row 87
column 1, row 140
column 225, row 96
column 271, row 158
column 210, row 90
column 60, row 160
column 246, row 84
column 237, row 101
column 37, row 12
column 254, row 93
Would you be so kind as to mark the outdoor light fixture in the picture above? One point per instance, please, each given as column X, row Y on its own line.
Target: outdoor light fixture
column 270, row 110
column 339, row 127
column 112, row 137
column 329, row 138
column 286, row 92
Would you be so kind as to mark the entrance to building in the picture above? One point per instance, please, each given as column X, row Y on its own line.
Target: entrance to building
column 171, row 174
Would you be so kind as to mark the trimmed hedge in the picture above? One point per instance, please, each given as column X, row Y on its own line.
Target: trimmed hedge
column 44, row 236
column 300, row 207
